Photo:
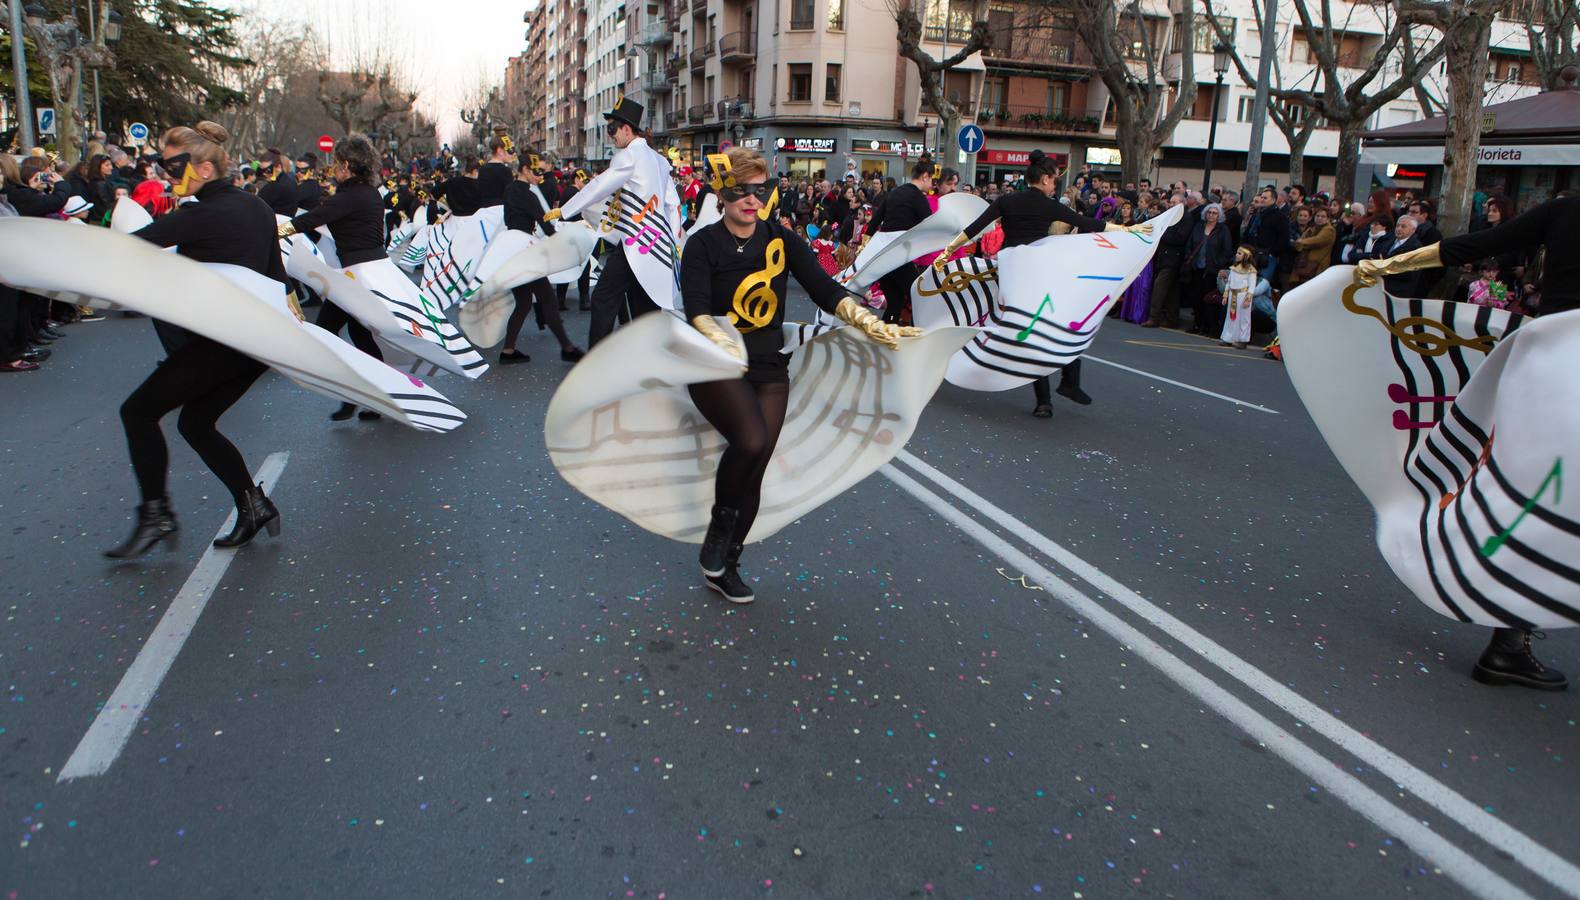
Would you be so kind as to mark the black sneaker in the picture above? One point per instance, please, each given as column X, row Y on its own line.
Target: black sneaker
column 1073, row 393
column 513, row 356
column 90, row 316
column 731, row 585
column 1043, row 411
column 574, row 354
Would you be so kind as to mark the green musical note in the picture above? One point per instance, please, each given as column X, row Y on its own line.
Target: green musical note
column 1554, row 478
column 1047, row 300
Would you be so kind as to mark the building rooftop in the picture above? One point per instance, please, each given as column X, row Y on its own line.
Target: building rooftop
column 1548, row 116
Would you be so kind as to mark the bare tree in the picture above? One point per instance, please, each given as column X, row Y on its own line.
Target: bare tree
column 1130, row 62
column 933, row 73
column 1553, row 27
column 370, row 82
column 279, row 53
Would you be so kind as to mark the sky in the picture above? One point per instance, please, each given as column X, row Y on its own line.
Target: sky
column 450, row 44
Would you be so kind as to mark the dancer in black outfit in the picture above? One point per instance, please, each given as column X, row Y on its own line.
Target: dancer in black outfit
column 583, row 283
column 494, row 176
column 308, row 191
column 740, row 267
column 279, row 189
column 461, row 192
column 1029, row 215
column 524, row 209
column 201, row 377
column 900, row 210
column 1554, row 227
column 355, row 216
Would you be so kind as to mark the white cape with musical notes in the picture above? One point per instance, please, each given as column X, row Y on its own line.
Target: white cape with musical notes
column 1454, row 421
column 633, row 205
column 622, row 428
column 232, row 305
column 451, row 253
column 1050, row 298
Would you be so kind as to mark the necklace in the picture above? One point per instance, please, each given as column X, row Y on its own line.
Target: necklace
column 740, row 245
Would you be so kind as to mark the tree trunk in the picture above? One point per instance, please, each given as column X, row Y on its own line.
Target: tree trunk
column 1297, row 162
column 62, row 83
column 949, row 126
column 1467, row 74
column 1348, row 159
column 1135, row 149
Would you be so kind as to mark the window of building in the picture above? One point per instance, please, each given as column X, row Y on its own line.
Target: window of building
column 1204, row 36
column 801, row 12
column 1247, row 107
column 836, row 15
column 957, row 13
column 995, row 93
column 710, row 89
column 831, row 74
column 1001, row 26
column 800, row 83
column 773, row 86
column 1058, row 98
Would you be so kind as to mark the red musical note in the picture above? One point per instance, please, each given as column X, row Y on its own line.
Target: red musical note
column 1398, row 394
column 1486, row 454
column 1403, row 422
column 645, row 240
column 1076, row 326
column 1103, row 242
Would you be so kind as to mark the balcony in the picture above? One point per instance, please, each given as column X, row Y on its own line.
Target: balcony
column 699, row 56
column 737, row 47
column 1036, row 120
column 695, row 114
column 966, row 108
column 699, row 7
column 673, row 67
column 656, row 83
column 671, row 120
column 1058, row 48
column 657, row 34
column 736, row 108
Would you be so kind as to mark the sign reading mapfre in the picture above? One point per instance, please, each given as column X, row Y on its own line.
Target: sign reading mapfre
column 1018, row 157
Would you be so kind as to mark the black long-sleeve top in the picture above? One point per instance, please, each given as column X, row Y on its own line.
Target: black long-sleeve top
column 1027, row 215
column 716, row 280
column 900, row 209
column 309, row 193
column 462, row 195
column 226, row 225
column 1554, row 225
column 355, row 216
column 567, row 191
column 492, row 180
column 280, row 194
column 29, row 202
column 523, row 212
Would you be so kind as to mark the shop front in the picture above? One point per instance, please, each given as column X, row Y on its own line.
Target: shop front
column 806, row 156
column 996, row 166
column 883, row 157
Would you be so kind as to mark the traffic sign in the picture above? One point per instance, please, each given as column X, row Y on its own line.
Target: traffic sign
column 46, row 120
column 138, row 132
column 725, row 146
column 970, row 138
column 326, row 144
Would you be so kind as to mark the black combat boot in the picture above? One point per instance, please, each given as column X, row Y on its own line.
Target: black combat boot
column 1508, row 660
column 729, row 582
column 716, row 543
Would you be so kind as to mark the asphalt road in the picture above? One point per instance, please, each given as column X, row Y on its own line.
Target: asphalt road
column 1144, row 648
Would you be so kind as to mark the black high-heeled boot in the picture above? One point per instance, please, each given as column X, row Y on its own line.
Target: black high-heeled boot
column 346, row 411
column 729, row 582
column 253, row 514
column 716, row 543
column 155, row 523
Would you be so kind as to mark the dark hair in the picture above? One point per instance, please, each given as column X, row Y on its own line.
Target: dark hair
column 1503, row 206
column 95, row 162
column 923, row 166
column 947, row 174
column 468, row 164
column 1040, row 164
column 496, row 143
column 360, row 158
column 1301, row 188
column 310, row 158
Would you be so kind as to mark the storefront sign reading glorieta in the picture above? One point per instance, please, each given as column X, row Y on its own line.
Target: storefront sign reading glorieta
column 805, row 145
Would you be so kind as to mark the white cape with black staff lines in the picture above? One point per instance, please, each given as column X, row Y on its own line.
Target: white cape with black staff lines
column 622, row 429
column 1044, row 307
column 1454, row 421
column 234, row 306
column 411, row 329
column 451, row 252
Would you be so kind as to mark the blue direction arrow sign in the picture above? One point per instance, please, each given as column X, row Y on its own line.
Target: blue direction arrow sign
column 970, row 138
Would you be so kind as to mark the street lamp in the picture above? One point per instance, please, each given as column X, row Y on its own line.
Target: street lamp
column 1220, row 65
column 36, row 15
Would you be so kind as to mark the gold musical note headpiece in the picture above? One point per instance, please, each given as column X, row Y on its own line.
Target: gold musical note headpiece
column 722, row 176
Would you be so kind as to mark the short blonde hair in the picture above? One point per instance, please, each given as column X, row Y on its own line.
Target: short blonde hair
column 745, row 163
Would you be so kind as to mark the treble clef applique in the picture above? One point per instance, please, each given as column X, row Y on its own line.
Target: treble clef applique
column 755, row 301
column 611, row 216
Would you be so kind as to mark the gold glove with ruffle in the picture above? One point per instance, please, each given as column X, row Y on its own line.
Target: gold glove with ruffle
column 955, row 243
column 285, row 230
column 296, row 308
column 1367, row 271
column 710, row 329
column 552, row 215
column 878, row 331
column 1138, row 228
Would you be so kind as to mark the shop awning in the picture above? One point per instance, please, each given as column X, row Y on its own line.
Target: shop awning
column 1491, row 154
column 1539, row 130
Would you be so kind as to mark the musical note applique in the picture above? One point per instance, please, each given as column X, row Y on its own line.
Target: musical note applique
column 1555, row 479
column 1486, row 454
column 1103, row 242
column 1401, row 419
column 652, row 204
column 611, row 215
column 845, row 421
column 1024, row 333
column 1077, row 326
column 755, row 302
column 645, row 239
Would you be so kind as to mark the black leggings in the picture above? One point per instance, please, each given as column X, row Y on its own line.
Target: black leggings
column 548, row 312
column 332, row 318
column 749, row 416
column 204, row 379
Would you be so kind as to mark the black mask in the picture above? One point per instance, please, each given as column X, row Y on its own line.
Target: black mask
column 761, row 191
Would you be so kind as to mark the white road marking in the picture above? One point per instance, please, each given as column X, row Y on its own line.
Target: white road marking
column 1180, row 384
column 111, row 728
column 1523, row 849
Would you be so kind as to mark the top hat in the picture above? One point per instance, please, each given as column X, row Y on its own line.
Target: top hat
column 627, row 111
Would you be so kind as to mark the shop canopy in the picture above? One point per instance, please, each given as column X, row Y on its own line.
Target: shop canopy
column 1539, row 130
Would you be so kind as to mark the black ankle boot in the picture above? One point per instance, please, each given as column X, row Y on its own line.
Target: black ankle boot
column 346, row 411
column 1508, row 660
column 716, row 543
column 253, row 514
column 729, row 582
column 155, row 523
column 1070, row 384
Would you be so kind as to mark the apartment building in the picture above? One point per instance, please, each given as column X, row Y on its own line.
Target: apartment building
column 534, row 125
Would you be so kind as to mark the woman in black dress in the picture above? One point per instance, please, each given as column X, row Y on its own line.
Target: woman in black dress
column 201, row 377
column 739, row 267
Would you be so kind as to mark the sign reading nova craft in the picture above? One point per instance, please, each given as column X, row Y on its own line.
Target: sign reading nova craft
column 805, row 144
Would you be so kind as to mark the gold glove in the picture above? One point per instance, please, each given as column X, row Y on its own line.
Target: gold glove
column 955, row 243
column 1139, row 227
column 878, row 331
column 285, row 230
column 1367, row 271
column 296, row 308
column 710, row 329
column 552, row 215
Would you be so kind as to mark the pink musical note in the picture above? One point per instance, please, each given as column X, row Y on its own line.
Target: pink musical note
column 1076, row 326
column 1403, row 422
column 646, row 239
column 1398, row 394
column 414, row 380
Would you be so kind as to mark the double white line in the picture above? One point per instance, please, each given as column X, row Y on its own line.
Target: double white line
column 1454, row 862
